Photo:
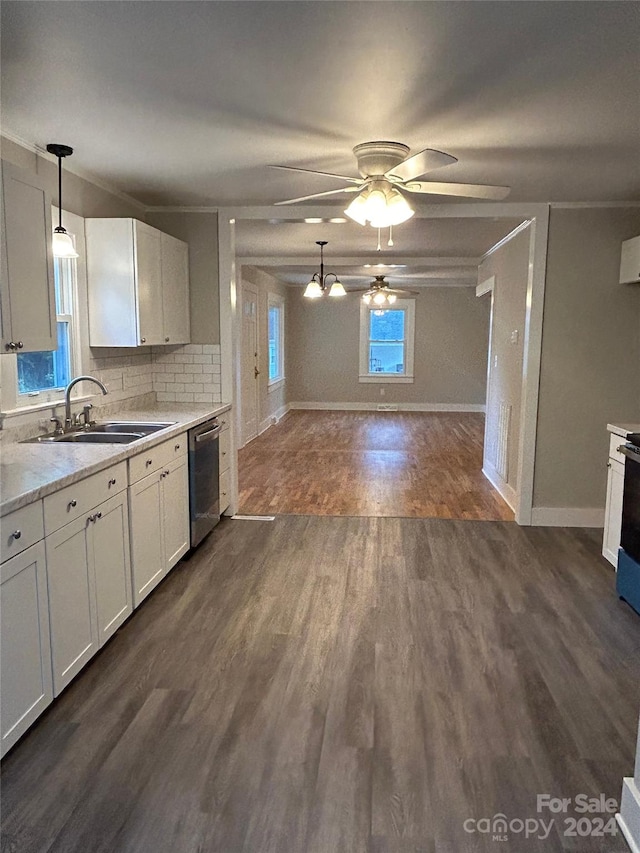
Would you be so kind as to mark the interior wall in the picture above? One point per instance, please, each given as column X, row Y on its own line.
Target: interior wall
column 272, row 399
column 200, row 231
column 590, row 364
column 451, row 339
column 510, row 266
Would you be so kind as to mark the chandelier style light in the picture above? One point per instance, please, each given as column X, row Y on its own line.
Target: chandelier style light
column 381, row 205
column 319, row 285
column 62, row 243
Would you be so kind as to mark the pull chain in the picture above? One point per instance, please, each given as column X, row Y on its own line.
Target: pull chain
column 379, row 246
column 390, row 241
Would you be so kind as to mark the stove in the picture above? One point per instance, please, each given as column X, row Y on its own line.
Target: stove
column 628, row 576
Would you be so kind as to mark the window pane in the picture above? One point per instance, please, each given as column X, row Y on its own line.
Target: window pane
column 386, row 357
column 386, row 325
column 43, row 371
column 274, row 342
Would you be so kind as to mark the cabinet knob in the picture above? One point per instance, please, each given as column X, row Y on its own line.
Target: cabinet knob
column 177, row 447
column 112, row 482
column 16, row 534
column 166, row 473
column 19, row 344
column 149, row 462
column 166, row 340
column 10, row 346
column 143, row 340
column 98, row 515
column 71, row 504
column 91, row 518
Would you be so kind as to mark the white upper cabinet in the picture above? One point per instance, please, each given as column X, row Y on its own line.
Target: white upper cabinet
column 138, row 281
column 28, row 304
column 630, row 261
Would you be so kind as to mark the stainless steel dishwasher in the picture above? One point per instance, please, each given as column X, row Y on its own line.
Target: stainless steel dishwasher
column 204, row 490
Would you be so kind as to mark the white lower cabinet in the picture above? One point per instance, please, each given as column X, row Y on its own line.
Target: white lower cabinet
column 159, row 524
column 613, row 512
column 89, row 576
column 27, row 686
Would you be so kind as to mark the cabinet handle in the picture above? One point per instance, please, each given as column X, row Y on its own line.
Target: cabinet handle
column 608, row 464
column 10, row 346
column 149, row 462
column 166, row 340
column 143, row 340
column 16, row 534
column 112, row 482
column 177, row 447
column 71, row 504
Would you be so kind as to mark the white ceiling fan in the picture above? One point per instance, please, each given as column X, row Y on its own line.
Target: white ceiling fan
column 385, row 169
column 381, row 294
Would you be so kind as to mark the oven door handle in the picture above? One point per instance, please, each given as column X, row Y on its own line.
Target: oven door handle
column 630, row 454
column 209, row 435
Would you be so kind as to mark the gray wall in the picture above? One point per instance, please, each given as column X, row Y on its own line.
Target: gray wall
column 590, row 370
column 200, row 231
column 452, row 333
column 271, row 400
column 510, row 266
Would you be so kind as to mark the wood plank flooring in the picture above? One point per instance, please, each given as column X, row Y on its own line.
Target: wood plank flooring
column 383, row 464
column 342, row 685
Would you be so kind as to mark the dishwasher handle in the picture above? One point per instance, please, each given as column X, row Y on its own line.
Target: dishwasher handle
column 209, row 435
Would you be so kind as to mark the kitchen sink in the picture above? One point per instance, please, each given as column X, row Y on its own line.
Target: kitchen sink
column 109, row 432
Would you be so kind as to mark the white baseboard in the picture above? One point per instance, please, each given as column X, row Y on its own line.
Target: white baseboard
column 274, row 418
column 566, row 516
column 402, row 407
column 629, row 817
column 504, row 489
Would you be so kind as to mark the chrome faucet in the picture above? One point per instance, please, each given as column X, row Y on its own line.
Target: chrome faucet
column 68, row 420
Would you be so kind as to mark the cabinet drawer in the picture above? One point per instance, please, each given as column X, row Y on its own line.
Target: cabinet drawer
column 225, row 449
column 614, row 443
column 157, row 457
column 225, row 492
column 76, row 500
column 21, row 529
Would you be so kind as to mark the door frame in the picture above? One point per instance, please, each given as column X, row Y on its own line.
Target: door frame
column 248, row 286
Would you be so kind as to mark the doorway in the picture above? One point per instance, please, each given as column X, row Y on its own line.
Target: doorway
column 249, row 372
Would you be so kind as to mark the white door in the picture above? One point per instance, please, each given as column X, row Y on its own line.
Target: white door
column 109, row 546
column 147, row 561
column 175, row 515
column 175, row 290
column 72, row 607
column 25, row 669
column 249, row 368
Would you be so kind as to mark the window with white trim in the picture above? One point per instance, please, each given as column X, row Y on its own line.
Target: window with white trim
column 30, row 379
column 276, row 338
column 387, row 342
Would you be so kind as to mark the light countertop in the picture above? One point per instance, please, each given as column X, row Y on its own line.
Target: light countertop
column 29, row 472
column 623, row 430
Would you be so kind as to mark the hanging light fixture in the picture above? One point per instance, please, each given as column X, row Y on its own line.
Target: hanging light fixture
column 380, row 204
column 319, row 285
column 62, row 243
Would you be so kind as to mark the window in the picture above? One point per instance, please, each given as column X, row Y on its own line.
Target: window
column 276, row 338
column 386, row 342
column 46, row 371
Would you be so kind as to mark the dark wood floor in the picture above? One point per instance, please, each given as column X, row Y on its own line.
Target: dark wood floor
column 334, row 685
column 384, row 464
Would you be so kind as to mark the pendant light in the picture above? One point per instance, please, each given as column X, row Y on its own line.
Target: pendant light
column 318, row 285
column 62, row 243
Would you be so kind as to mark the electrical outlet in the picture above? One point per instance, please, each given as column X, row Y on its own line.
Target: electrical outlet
column 514, row 336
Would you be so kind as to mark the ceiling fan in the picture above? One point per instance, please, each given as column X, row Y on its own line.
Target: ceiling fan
column 385, row 169
column 381, row 294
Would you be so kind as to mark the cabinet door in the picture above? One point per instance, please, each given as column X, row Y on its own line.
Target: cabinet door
column 175, row 290
column 26, row 680
column 109, row 547
column 613, row 512
column 175, row 511
column 72, row 608
column 145, row 516
column 26, row 278
column 148, row 283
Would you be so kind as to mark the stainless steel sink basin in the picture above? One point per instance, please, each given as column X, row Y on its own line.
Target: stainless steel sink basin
column 109, row 432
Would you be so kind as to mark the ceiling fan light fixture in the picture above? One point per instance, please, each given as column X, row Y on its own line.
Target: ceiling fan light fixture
column 379, row 298
column 357, row 210
column 337, row 289
column 313, row 290
column 391, row 298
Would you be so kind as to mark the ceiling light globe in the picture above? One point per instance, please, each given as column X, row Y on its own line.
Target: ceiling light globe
column 398, row 208
column 337, row 289
column 379, row 298
column 63, row 245
column 313, row 290
column 366, row 298
column 376, row 204
column 357, row 210
column 391, row 298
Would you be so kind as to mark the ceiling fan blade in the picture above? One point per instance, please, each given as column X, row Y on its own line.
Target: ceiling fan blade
column 324, row 174
column 462, row 190
column 421, row 163
column 395, row 290
column 318, row 195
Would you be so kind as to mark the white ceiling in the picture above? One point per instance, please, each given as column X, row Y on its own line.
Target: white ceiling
column 186, row 103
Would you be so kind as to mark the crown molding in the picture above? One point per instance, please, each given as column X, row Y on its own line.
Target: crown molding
column 79, row 173
column 506, row 239
column 579, row 205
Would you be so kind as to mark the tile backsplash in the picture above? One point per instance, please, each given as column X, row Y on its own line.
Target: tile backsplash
column 187, row 374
